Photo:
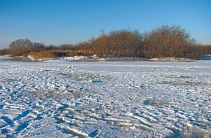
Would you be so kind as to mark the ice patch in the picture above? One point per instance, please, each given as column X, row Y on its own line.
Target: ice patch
column 180, row 82
column 69, row 93
column 156, row 102
column 86, row 77
column 179, row 76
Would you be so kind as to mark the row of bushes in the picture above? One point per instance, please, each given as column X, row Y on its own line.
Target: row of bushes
column 60, row 53
column 166, row 41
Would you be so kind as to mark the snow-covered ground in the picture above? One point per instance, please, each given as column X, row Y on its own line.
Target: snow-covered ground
column 5, row 58
column 105, row 99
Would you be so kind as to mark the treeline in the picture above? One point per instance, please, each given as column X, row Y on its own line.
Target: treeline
column 166, row 41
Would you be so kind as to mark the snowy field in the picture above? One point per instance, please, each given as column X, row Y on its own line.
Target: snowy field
column 105, row 99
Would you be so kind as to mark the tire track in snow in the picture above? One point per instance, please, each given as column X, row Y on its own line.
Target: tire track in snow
column 69, row 116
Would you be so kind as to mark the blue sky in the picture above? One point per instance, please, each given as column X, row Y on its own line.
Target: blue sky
column 72, row 21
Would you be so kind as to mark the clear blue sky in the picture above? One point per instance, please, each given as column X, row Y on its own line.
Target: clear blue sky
column 72, row 21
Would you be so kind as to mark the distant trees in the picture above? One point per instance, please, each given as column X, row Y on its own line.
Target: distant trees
column 66, row 47
column 21, row 43
column 21, row 47
column 37, row 47
column 117, row 43
column 165, row 41
column 198, row 51
column 126, row 43
column 4, row 51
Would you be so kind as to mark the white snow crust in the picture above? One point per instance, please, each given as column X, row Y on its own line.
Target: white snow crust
column 5, row 57
column 59, row 98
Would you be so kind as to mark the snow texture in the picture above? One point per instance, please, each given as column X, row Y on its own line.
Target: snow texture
column 59, row 98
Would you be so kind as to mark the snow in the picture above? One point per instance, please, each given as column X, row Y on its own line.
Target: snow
column 171, row 59
column 74, row 58
column 31, row 57
column 5, row 57
column 60, row 98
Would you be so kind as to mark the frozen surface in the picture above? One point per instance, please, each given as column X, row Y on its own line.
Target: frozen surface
column 105, row 99
column 5, row 57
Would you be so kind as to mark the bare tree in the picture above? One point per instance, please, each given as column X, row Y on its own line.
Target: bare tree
column 118, row 43
column 21, row 43
column 67, row 47
column 167, row 41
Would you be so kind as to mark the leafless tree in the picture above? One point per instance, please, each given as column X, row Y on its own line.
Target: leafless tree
column 167, row 41
column 21, row 43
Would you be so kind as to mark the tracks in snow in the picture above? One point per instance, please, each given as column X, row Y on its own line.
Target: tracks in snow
column 142, row 101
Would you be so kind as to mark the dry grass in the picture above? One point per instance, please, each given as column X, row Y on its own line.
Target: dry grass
column 61, row 53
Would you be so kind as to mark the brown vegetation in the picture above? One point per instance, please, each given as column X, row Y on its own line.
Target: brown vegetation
column 165, row 41
column 60, row 53
column 116, row 43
